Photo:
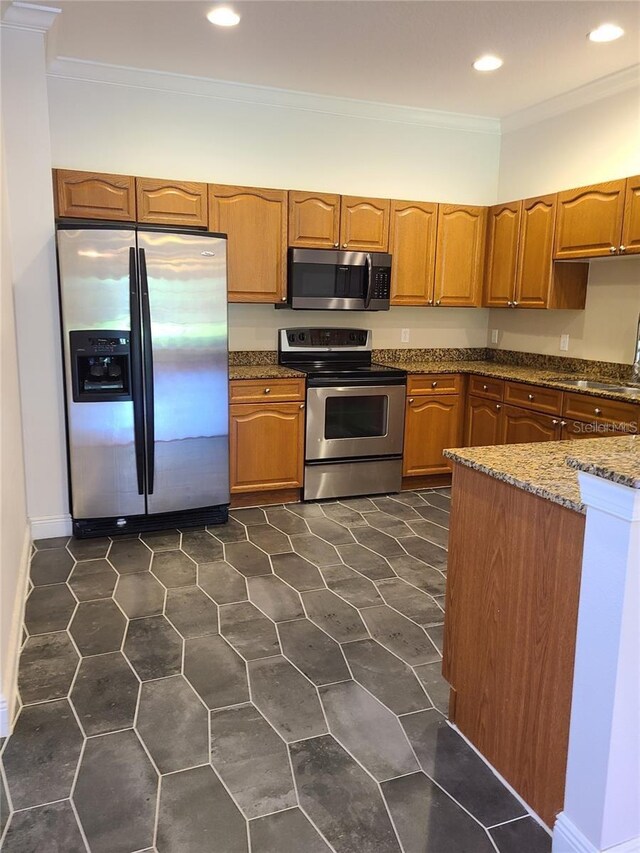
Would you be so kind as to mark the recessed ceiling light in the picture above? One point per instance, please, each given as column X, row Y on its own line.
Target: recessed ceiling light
column 606, row 32
column 223, row 16
column 487, row 63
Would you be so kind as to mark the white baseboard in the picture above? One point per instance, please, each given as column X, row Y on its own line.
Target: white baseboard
column 567, row 838
column 10, row 676
column 49, row 526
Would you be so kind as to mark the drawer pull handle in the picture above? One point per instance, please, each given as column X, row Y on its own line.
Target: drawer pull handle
column 267, row 390
column 531, row 396
column 434, row 384
column 597, row 411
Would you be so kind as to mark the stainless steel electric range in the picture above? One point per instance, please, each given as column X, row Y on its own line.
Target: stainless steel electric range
column 355, row 412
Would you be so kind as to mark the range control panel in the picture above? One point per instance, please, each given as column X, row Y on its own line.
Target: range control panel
column 326, row 337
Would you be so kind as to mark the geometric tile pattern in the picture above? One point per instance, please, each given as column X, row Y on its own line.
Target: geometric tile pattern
column 270, row 685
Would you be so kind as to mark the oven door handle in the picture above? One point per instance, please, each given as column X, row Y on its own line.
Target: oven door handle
column 369, row 289
column 343, row 385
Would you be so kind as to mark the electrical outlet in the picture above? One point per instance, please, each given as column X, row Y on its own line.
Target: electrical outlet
column 404, row 336
column 494, row 336
column 564, row 343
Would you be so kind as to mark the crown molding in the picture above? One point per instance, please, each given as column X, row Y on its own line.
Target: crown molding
column 29, row 16
column 67, row 68
column 605, row 87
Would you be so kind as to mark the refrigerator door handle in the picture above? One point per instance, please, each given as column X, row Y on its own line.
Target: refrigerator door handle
column 148, row 371
column 136, row 370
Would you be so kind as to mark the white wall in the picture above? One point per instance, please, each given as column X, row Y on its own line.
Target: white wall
column 594, row 143
column 14, row 531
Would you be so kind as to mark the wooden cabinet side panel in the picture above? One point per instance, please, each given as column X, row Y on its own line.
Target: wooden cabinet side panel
column 503, row 231
column 314, row 219
column 364, row 223
column 255, row 221
column 164, row 202
column 460, row 249
column 94, row 195
column 412, row 243
column 510, row 625
column 631, row 222
column 589, row 220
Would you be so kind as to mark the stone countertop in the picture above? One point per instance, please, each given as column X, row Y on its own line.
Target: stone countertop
column 519, row 373
column 263, row 371
column 549, row 469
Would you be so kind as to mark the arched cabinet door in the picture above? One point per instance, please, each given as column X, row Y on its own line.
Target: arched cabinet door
column 412, row 243
column 589, row 221
column 163, row 202
column 631, row 226
column 364, row 224
column 94, row 195
column 460, row 255
column 503, row 231
column 314, row 220
column 431, row 424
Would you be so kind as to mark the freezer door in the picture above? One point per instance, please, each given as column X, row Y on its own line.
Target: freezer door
column 184, row 313
column 95, row 297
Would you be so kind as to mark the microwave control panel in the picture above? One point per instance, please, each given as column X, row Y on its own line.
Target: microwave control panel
column 381, row 284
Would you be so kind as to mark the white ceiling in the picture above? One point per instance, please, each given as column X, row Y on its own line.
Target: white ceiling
column 415, row 53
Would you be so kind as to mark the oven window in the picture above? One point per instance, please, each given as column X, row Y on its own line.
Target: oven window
column 356, row 417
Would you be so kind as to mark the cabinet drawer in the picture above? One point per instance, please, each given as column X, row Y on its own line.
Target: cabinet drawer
column 583, row 407
column 259, row 390
column 434, row 383
column 533, row 397
column 481, row 386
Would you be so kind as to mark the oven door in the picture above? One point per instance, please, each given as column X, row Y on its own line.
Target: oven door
column 355, row 421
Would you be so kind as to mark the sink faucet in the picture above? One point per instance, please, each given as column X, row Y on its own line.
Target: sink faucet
column 635, row 370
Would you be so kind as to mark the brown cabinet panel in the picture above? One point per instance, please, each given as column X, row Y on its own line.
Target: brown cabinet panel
column 434, row 383
column 482, row 386
column 484, row 425
column 412, row 242
column 503, row 229
column 631, row 223
column 265, row 390
column 171, row 202
column 460, row 255
column 584, row 407
column 575, row 430
column 266, row 446
column 314, row 219
column 539, row 399
column 255, row 221
column 521, row 426
column 589, row 220
column 431, row 425
column 364, row 223
column 535, row 252
column 94, row 195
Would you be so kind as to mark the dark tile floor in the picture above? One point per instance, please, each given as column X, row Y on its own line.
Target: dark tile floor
column 270, row 686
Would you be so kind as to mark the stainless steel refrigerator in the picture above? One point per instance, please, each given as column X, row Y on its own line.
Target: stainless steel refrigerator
column 144, row 325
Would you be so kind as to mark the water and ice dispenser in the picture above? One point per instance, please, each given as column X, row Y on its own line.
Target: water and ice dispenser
column 100, row 365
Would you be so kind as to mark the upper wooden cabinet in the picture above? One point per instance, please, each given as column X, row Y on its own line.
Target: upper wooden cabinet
column 93, row 195
column 503, row 232
column 631, row 222
column 412, row 243
column 255, row 222
column 460, row 255
column 164, row 202
column 364, row 223
column 589, row 221
column 314, row 220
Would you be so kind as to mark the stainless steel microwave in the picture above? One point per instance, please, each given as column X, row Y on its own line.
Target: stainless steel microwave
column 335, row 280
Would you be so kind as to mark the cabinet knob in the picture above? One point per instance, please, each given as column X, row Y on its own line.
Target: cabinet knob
column 623, row 248
column 485, row 387
column 612, row 250
column 430, row 302
column 437, row 301
column 597, row 411
column 509, row 303
column 563, row 423
column 336, row 245
column 498, row 407
column 434, row 384
column 267, row 390
column 555, row 421
column 411, row 399
column 283, row 299
column 531, row 396
column 344, row 245
column 514, row 304
column 302, row 405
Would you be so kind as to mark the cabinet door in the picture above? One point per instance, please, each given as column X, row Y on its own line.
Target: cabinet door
column 171, row 202
column 460, row 255
column 314, row 220
column 521, row 426
column 431, row 425
column 92, row 195
column 266, row 446
column 255, row 222
column 484, row 423
column 631, row 223
column 535, row 252
column 503, row 229
column 412, row 242
column 589, row 221
column 364, row 223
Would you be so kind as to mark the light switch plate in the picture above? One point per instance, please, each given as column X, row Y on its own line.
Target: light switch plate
column 494, row 336
column 564, row 343
column 404, row 336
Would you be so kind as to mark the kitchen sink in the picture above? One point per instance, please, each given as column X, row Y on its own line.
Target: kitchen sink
column 592, row 385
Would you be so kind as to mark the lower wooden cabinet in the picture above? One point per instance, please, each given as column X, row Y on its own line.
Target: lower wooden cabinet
column 266, row 446
column 432, row 423
column 521, row 426
column 484, row 423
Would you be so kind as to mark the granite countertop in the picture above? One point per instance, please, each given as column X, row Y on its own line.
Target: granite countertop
column 519, row 373
column 549, row 469
column 263, row 371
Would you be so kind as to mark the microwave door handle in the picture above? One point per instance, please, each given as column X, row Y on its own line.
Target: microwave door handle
column 368, row 290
